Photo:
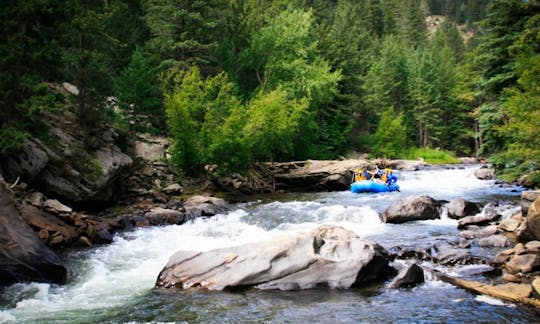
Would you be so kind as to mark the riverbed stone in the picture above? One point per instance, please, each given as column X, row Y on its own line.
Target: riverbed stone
column 447, row 254
column 494, row 241
column 56, row 207
column 523, row 263
column 487, row 215
column 536, row 286
column 408, row 277
column 459, row 208
column 329, row 255
column 41, row 221
column 509, row 225
column 533, row 246
column 478, row 232
column 412, row 208
column 530, row 228
column 502, row 257
column 527, row 198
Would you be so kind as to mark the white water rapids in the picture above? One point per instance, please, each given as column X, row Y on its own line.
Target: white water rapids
column 123, row 273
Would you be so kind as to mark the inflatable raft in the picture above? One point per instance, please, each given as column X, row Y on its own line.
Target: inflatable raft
column 372, row 186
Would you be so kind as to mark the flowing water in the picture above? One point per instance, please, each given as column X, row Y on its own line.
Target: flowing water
column 114, row 283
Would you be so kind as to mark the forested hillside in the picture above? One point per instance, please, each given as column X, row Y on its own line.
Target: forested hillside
column 237, row 81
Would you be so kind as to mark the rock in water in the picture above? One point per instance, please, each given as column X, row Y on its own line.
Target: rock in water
column 412, row 208
column 23, row 257
column 409, row 277
column 459, row 208
column 329, row 256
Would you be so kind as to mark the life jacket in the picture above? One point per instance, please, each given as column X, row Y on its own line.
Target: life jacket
column 359, row 175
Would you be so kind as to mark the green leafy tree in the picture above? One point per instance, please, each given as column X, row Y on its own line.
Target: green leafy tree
column 185, row 113
column 272, row 122
column 284, row 55
column 390, row 140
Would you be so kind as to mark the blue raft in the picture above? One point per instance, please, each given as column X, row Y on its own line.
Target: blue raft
column 372, row 186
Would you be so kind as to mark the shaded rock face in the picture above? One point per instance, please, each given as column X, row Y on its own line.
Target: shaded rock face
column 329, row 256
column 412, row 208
column 64, row 169
column 23, row 257
column 459, row 208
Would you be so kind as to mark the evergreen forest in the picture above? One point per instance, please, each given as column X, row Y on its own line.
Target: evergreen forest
column 233, row 82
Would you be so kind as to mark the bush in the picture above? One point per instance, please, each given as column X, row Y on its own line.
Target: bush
column 432, row 156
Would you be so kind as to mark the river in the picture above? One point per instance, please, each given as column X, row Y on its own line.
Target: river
column 114, row 283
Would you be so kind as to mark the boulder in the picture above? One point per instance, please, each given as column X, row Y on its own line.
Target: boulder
column 479, row 232
column 36, row 199
column 494, row 241
column 173, row 189
column 533, row 247
column 536, row 287
column 161, row 216
column 509, row 225
column 314, row 175
column 23, row 257
column 198, row 206
column 408, row 277
column 523, row 263
column 412, row 208
column 485, row 173
column 55, row 207
column 151, row 148
column 329, row 256
column 446, row 254
column 527, row 198
column 502, row 257
column 459, row 208
column 530, row 228
column 487, row 215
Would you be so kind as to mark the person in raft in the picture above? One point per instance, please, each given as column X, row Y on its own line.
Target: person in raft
column 375, row 174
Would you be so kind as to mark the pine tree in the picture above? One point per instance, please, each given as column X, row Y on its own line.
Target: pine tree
column 138, row 95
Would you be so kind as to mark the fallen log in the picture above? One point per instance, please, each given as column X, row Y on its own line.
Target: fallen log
column 512, row 292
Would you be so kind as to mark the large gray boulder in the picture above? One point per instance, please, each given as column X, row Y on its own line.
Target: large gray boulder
column 412, row 208
column 23, row 257
column 329, row 256
column 459, row 208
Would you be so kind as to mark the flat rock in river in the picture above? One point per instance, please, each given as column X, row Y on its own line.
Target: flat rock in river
column 329, row 256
